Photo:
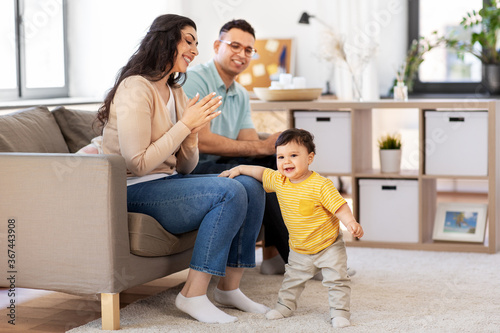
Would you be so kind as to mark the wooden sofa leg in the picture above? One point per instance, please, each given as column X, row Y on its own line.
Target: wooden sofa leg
column 110, row 311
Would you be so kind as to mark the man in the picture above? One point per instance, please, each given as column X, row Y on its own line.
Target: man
column 231, row 138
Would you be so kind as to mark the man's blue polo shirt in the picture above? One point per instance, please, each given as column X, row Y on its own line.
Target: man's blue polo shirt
column 204, row 79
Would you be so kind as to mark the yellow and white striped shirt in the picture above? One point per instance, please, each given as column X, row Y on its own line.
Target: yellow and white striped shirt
column 308, row 209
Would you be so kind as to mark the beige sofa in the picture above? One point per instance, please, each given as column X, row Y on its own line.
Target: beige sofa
column 64, row 217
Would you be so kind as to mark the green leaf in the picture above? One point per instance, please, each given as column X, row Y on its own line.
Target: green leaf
column 488, row 18
column 390, row 141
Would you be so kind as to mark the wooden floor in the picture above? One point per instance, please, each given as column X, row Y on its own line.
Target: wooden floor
column 46, row 311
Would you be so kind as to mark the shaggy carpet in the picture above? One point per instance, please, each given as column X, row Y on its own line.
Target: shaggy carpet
column 392, row 291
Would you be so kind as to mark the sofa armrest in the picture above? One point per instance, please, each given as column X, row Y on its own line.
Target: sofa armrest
column 70, row 219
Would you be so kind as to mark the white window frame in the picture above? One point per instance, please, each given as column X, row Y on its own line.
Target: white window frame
column 22, row 91
column 420, row 87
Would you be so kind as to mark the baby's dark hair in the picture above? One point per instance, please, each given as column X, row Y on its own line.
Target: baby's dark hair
column 300, row 136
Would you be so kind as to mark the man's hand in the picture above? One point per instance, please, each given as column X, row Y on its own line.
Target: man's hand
column 269, row 144
column 247, row 143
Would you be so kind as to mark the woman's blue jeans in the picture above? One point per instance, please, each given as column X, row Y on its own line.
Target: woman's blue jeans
column 227, row 213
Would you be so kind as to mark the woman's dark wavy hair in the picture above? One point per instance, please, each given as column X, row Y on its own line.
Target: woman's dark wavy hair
column 300, row 136
column 154, row 57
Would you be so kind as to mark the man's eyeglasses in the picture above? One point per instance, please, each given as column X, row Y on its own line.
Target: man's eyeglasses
column 237, row 47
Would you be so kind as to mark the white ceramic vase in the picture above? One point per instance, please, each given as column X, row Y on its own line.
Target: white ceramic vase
column 390, row 160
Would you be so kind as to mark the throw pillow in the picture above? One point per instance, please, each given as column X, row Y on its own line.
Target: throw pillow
column 78, row 127
column 32, row 130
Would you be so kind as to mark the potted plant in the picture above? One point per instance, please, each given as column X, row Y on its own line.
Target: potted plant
column 390, row 153
column 488, row 20
column 407, row 72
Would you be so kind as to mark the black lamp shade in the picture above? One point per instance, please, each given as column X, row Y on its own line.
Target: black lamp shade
column 304, row 18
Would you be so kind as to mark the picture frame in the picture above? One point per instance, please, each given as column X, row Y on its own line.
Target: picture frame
column 460, row 222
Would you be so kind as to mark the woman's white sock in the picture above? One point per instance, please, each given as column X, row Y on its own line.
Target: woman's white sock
column 201, row 309
column 237, row 299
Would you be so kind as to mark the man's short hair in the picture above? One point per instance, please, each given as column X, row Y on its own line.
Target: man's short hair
column 238, row 24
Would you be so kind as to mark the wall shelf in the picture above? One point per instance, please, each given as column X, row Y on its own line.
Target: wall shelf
column 362, row 147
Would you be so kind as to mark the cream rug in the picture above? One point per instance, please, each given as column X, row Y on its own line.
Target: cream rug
column 392, row 291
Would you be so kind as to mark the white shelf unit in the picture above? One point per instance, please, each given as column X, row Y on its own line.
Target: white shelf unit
column 428, row 197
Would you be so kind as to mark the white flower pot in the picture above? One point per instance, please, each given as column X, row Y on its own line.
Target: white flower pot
column 390, row 160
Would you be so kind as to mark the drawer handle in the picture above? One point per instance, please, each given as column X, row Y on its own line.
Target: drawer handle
column 388, row 187
column 323, row 119
column 457, row 119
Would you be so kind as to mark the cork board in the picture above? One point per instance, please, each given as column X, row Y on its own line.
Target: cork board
column 274, row 56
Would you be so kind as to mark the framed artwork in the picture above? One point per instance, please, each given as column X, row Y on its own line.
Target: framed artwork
column 274, row 56
column 461, row 222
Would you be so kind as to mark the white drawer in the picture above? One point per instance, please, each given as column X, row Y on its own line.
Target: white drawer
column 456, row 143
column 388, row 210
column 332, row 136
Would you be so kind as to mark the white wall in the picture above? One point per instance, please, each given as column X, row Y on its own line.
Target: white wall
column 384, row 21
column 103, row 34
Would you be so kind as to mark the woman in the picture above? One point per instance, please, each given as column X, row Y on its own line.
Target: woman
column 151, row 123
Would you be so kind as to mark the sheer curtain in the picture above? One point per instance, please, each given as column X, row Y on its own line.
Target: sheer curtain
column 383, row 22
column 361, row 24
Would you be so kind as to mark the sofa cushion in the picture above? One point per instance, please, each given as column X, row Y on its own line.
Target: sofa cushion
column 78, row 127
column 149, row 239
column 32, row 130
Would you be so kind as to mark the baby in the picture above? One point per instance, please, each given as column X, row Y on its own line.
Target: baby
column 311, row 208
